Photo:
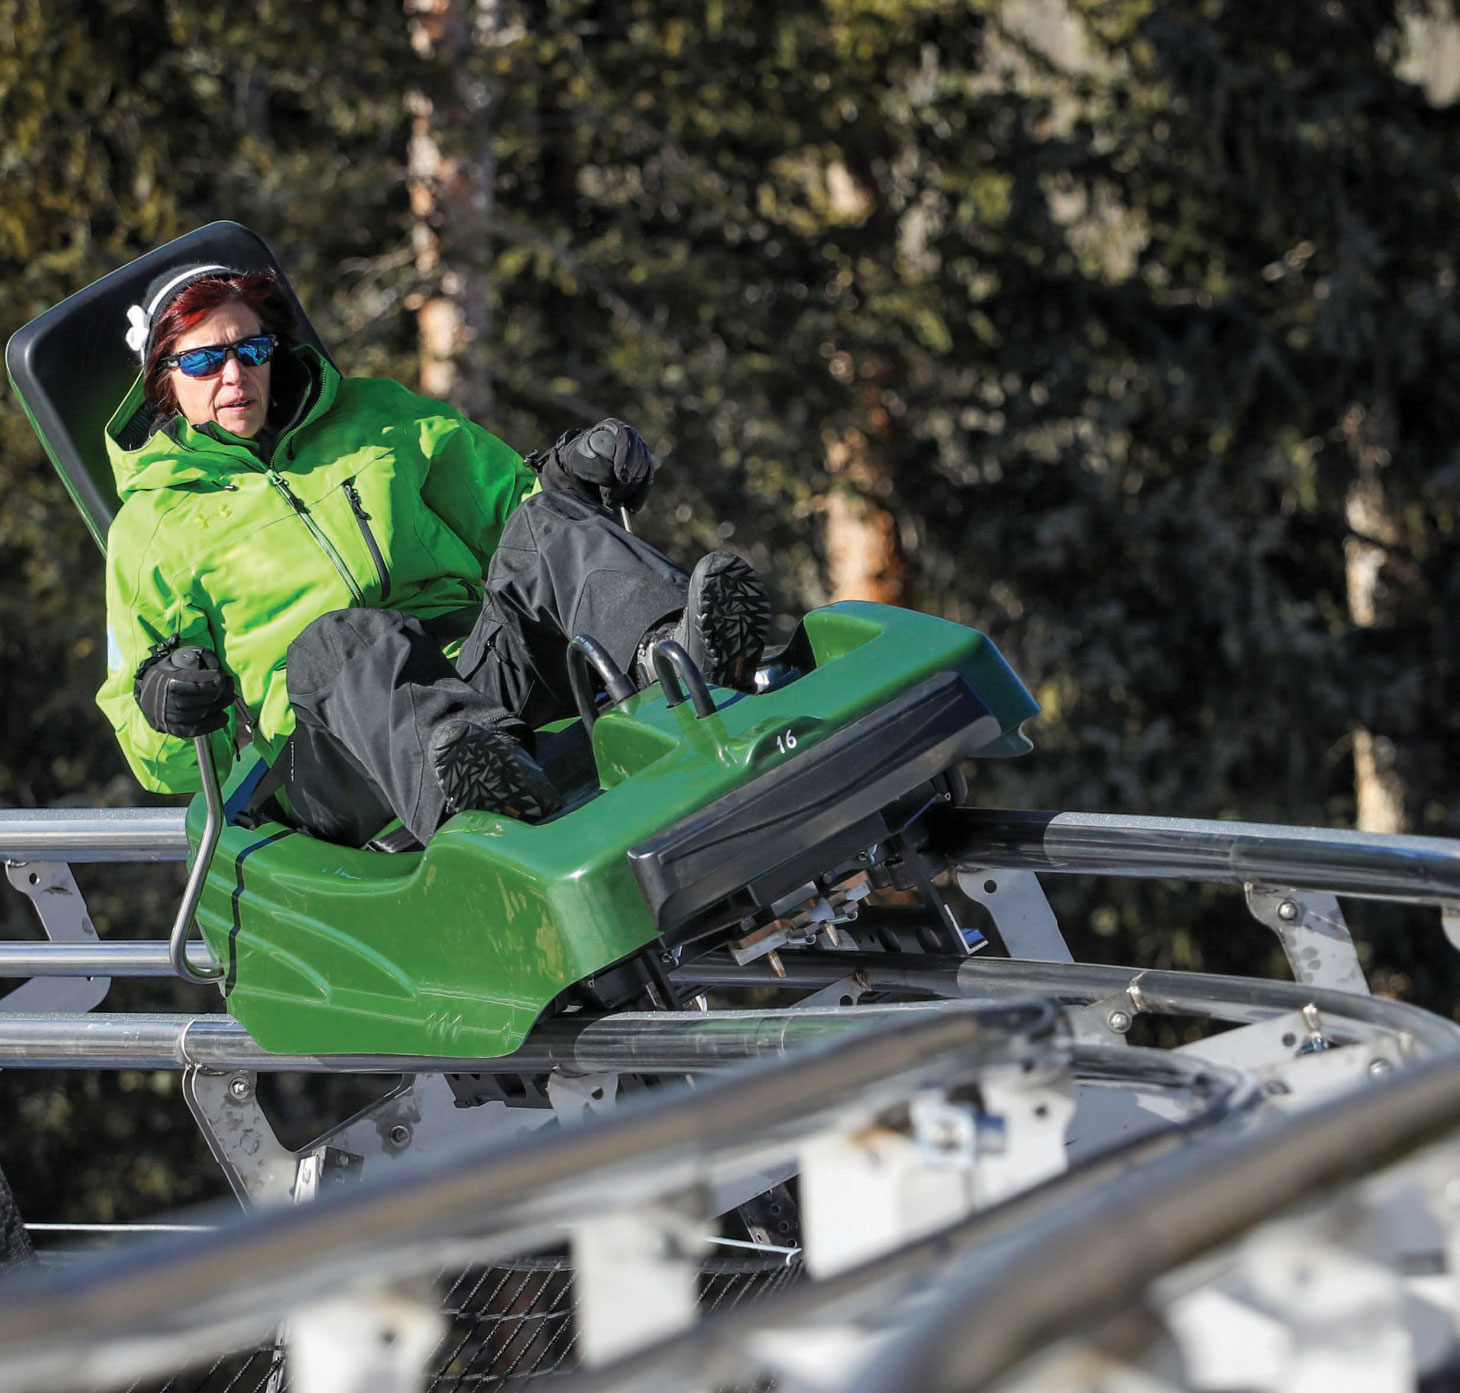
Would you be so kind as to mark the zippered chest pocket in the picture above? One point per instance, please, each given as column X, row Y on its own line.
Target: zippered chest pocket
column 367, row 532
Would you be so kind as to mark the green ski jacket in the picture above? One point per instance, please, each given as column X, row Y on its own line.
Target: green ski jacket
column 375, row 498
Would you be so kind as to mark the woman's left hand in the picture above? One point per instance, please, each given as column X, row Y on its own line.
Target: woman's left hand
column 607, row 464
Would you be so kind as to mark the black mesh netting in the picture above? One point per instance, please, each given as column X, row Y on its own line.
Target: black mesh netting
column 506, row 1325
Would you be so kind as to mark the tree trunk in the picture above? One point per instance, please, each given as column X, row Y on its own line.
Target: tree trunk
column 1378, row 786
column 864, row 556
column 451, row 201
column 1381, row 795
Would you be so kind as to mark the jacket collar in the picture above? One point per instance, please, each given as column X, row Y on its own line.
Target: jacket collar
column 179, row 453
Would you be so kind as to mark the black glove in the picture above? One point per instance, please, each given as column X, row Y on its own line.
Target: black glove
column 608, row 464
column 183, row 691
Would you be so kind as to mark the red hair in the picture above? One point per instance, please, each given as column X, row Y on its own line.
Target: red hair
column 262, row 293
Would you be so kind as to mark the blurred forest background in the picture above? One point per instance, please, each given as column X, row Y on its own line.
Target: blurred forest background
column 1124, row 330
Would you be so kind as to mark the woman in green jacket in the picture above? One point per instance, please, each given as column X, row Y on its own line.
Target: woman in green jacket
column 382, row 586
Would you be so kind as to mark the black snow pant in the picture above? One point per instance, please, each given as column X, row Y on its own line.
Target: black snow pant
column 369, row 687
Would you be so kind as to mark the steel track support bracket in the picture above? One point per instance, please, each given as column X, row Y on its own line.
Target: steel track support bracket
column 898, row 1177
column 846, row 992
column 1298, row 1309
column 52, row 889
column 636, row 1272
column 576, row 1097
column 1311, row 927
column 871, row 1190
column 1295, row 1059
column 1104, row 1022
column 416, row 1121
column 1021, row 913
column 260, row 1169
column 366, row 1342
column 1034, row 1121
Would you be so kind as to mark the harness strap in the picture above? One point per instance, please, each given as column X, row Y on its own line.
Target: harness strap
column 272, row 780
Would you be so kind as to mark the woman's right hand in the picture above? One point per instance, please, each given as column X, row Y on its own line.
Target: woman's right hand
column 607, row 464
column 184, row 692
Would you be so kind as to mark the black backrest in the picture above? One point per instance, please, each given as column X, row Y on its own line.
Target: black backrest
column 71, row 366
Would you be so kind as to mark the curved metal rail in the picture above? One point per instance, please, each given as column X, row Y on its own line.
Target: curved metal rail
column 1416, row 870
column 1092, row 1255
column 1236, row 999
column 1365, row 865
column 1080, row 1245
column 492, row 1201
column 713, row 1354
column 1422, row 870
column 671, row 1043
column 1077, row 1248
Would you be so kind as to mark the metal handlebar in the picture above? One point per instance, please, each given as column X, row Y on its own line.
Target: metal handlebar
column 583, row 649
column 671, row 663
column 177, row 944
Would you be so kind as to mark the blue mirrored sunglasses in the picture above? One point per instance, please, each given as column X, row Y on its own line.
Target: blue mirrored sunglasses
column 252, row 352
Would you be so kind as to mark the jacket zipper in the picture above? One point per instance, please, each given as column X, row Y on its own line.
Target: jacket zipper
column 295, row 502
column 363, row 518
column 301, row 416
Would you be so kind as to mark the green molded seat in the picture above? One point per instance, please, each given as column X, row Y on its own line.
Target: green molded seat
column 458, row 949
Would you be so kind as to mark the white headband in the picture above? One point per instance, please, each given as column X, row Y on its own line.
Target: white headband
column 139, row 320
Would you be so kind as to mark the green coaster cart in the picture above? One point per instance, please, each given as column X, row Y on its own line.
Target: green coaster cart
column 696, row 819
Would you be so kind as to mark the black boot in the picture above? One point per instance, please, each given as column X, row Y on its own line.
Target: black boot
column 484, row 767
column 723, row 627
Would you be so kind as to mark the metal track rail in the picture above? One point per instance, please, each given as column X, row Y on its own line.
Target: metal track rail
column 139, row 1313
column 647, row 1043
column 654, row 1042
column 1236, row 999
column 93, row 834
column 1421, row 870
column 713, row 1354
column 1418, row 870
column 1079, row 1246
column 1088, row 1256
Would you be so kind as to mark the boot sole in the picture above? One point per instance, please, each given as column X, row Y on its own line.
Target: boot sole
column 727, row 618
column 482, row 770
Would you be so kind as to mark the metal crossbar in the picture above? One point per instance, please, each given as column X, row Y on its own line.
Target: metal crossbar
column 1363, row 864
column 1417, row 870
column 93, row 834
